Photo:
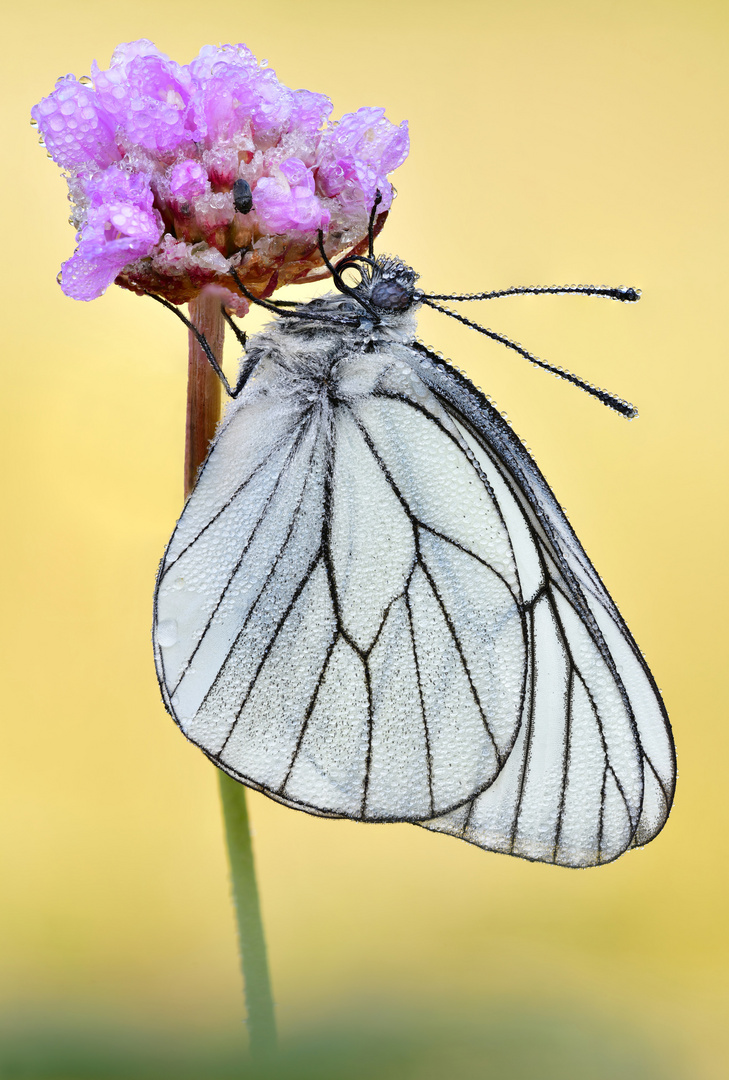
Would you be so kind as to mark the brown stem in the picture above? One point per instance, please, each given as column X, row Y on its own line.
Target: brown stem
column 203, row 413
column 203, row 385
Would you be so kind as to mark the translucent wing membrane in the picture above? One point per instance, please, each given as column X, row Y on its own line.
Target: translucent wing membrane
column 373, row 607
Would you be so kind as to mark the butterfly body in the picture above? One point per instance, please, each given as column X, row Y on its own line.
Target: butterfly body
column 373, row 607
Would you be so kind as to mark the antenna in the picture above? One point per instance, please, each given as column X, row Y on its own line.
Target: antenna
column 606, row 398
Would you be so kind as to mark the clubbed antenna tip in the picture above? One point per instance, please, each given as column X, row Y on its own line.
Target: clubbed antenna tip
column 629, row 295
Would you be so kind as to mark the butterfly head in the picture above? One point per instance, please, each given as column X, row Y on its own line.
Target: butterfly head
column 392, row 286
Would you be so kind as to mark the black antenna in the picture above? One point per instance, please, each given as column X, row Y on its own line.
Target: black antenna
column 627, row 295
column 341, row 283
column 613, row 402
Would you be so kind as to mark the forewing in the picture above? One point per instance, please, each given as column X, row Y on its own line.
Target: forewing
column 593, row 769
column 332, row 627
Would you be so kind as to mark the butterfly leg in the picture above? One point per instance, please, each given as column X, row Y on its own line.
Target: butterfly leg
column 241, row 335
column 249, row 363
column 246, row 368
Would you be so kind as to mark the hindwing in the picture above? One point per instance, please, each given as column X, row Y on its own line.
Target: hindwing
column 593, row 769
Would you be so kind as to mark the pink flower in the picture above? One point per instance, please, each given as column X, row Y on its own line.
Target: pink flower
column 75, row 126
column 153, row 148
column 359, row 152
column 121, row 225
column 149, row 96
column 188, row 181
column 288, row 202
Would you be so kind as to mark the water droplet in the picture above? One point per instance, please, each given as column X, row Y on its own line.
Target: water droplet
column 167, row 633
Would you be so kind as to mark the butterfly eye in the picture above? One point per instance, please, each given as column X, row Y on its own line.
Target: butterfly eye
column 242, row 196
column 392, row 296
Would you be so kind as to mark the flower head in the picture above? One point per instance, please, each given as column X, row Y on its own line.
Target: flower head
column 152, row 150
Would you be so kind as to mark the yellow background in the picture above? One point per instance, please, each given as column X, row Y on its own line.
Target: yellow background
column 551, row 142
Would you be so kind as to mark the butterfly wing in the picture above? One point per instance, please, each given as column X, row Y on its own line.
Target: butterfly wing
column 336, row 624
column 373, row 607
column 592, row 771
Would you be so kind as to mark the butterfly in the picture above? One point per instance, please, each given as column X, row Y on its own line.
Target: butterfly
column 373, row 606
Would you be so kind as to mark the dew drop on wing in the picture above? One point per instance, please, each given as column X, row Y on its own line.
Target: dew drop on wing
column 167, row 633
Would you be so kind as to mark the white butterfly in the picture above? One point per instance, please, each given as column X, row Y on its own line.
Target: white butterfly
column 373, row 607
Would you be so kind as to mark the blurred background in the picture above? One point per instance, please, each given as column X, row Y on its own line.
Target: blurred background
column 552, row 142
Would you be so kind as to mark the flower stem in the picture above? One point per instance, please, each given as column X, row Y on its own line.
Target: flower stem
column 203, row 385
column 254, row 962
column 203, row 413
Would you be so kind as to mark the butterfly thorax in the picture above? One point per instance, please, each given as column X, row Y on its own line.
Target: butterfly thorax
column 306, row 356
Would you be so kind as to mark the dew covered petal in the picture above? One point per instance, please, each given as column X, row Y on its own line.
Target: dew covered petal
column 153, row 149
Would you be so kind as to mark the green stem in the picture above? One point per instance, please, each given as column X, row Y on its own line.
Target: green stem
column 254, row 962
column 203, row 413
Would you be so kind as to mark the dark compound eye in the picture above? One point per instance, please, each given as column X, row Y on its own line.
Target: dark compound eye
column 242, row 197
column 392, row 296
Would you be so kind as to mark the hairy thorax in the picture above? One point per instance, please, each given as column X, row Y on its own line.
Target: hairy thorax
column 300, row 354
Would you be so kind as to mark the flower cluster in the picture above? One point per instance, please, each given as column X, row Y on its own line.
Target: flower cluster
column 178, row 172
